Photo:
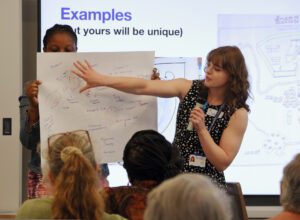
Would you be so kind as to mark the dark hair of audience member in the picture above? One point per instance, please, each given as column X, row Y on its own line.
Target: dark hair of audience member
column 148, row 155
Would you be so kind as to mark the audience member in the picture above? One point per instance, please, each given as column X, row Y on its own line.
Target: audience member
column 187, row 196
column 148, row 159
column 74, row 179
column 290, row 191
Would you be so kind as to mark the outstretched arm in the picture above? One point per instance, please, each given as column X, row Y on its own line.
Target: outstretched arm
column 223, row 154
column 139, row 86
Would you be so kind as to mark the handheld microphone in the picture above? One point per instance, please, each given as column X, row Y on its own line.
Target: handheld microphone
column 201, row 103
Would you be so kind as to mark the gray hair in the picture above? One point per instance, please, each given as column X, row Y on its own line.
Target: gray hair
column 188, row 196
column 290, row 186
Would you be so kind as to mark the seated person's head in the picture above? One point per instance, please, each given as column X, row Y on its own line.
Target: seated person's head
column 187, row 196
column 148, row 155
column 290, row 186
column 60, row 38
column 73, row 175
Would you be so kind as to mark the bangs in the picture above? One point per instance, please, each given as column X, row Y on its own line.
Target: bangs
column 216, row 59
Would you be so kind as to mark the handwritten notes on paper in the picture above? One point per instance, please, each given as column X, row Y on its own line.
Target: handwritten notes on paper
column 110, row 116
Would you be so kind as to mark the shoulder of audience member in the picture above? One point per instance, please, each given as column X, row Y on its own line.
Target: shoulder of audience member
column 107, row 216
column 35, row 209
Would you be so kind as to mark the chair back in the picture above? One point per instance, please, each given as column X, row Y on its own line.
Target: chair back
column 238, row 204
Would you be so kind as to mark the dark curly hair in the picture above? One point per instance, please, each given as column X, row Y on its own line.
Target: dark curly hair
column 148, row 155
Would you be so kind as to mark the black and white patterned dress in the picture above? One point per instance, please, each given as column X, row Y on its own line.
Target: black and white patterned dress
column 188, row 142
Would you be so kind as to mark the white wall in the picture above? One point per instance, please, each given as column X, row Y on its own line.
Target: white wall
column 10, row 89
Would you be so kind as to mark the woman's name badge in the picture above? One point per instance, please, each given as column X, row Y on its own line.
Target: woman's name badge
column 212, row 112
column 197, row 160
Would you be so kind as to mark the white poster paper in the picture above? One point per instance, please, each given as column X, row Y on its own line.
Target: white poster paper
column 110, row 116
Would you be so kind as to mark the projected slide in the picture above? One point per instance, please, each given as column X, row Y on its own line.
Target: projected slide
column 267, row 32
column 273, row 57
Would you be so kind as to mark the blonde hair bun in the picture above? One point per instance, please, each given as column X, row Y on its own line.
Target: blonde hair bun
column 68, row 151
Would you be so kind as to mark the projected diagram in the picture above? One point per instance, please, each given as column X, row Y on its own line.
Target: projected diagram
column 171, row 68
column 272, row 55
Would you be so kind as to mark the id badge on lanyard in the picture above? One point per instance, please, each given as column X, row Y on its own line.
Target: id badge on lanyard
column 196, row 159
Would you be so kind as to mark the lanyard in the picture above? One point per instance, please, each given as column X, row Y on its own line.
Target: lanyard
column 215, row 118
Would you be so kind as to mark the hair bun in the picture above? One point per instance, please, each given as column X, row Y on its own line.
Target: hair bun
column 68, row 151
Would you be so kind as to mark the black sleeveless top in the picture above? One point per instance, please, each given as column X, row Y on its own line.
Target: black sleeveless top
column 188, row 142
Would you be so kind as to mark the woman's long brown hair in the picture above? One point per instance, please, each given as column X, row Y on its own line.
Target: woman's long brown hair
column 231, row 59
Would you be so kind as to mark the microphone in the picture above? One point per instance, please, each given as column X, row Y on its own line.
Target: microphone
column 201, row 103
